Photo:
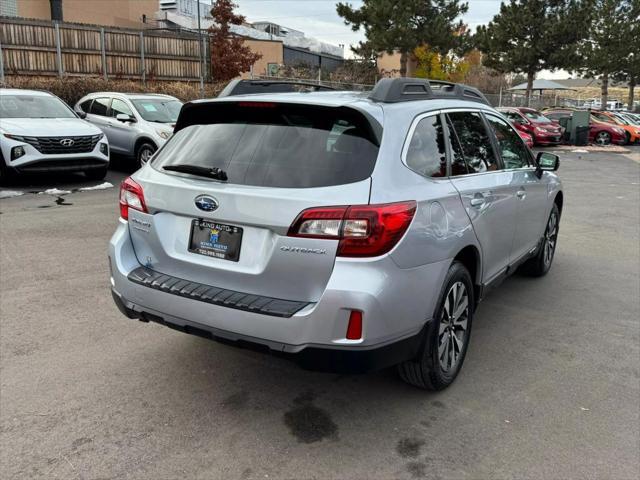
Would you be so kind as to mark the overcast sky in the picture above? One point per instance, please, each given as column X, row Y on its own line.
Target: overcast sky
column 318, row 19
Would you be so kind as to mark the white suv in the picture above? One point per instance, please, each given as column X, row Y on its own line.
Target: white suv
column 40, row 133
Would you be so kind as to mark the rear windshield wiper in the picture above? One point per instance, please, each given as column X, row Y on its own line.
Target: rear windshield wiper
column 210, row 172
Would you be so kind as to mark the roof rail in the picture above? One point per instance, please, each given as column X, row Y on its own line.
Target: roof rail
column 393, row 90
column 244, row 87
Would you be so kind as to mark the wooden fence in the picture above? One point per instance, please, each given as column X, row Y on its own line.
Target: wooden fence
column 34, row 47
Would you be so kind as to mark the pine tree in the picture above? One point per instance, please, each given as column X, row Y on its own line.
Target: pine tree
column 612, row 49
column 528, row 36
column 229, row 55
column 404, row 25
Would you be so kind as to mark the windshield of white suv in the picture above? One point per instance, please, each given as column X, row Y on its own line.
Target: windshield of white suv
column 536, row 117
column 161, row 110
column 33, row 106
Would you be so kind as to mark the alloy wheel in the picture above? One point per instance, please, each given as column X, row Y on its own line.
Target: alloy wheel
column 550, row 239
column 603, row 138
column 453, row 327
column 145, row 155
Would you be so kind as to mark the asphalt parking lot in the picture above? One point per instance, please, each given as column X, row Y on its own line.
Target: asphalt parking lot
column 549, row 389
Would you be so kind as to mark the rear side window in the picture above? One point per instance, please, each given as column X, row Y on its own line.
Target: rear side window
column 100, row 106
column 426, row 154
column 474, row 141
column 275, row 145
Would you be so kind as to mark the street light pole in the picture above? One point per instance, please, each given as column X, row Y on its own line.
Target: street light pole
column 200, row 52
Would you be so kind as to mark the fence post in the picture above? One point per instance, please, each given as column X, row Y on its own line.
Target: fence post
column 103, row 52
column 205, row 75
column 1, row 65
column 500, row 97
column 58, row 50
column 142, row 64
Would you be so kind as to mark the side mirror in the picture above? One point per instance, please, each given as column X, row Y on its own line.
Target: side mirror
column 123, row 117
column 548, row 162
column 82, row 115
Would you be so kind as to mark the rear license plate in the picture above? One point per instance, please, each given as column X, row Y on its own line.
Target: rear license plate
column 216, row 240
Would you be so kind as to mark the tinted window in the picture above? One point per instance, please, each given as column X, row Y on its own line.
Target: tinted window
column 100, row 106
column 514, row 116
column 458, row 164
column 33, row 106
column 118, row 106
column 86, row 105
column 162, row 110
column 275, row 145
column 475, row 141
column 426, row 154
column 514, row 152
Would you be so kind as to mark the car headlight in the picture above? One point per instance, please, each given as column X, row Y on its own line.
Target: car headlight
column 17, row 152
column 163, row 134
column 14, row 137
column 104, row 149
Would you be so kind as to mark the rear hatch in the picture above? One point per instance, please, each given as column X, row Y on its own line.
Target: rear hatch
column 278, row 160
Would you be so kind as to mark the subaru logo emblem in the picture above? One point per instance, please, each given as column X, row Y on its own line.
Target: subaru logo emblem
column 67, row 142
column 206, row 203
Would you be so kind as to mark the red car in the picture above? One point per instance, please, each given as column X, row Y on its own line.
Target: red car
column 528, row 139
column 600, row 133
column 544, row 130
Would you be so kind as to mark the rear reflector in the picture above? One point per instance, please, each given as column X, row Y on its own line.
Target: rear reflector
column 131, row 196
column 354, row 329
column 362, row 230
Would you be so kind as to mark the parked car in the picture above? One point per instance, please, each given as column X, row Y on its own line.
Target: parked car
column 632, row 131
column 600, row 133
column 543, row 130
column 289, row 222
column 136, row 124
column 40, row 133
column 528, row 139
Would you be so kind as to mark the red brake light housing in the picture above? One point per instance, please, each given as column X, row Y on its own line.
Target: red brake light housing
column 131, row 196
column 362, row 230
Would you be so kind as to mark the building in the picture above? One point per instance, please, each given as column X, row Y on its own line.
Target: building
column 112, row 13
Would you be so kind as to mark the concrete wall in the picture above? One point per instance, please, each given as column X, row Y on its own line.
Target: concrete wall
column 271, row 51
column 113, row 13
column 389, row 65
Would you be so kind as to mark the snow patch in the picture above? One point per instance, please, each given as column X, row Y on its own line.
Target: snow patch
column 54, row 191
column 579, row 150
column 10, row 193
column 102, row 186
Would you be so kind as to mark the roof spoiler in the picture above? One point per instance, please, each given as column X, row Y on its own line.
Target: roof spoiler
column 246, row 87
column 394, row 90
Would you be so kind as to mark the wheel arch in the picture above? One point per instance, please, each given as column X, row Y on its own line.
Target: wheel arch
column 470, row 257
column 559, row 201
column 139, row 141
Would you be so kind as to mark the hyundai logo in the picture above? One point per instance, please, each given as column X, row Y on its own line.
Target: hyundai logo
column 67, row 142
column 206, row 203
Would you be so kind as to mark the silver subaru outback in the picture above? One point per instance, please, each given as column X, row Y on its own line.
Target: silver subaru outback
column 348, row 231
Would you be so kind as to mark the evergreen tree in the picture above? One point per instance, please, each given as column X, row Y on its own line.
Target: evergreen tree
column 612, row 49
column 528, row 36
column 229, row 55
column 404, row 25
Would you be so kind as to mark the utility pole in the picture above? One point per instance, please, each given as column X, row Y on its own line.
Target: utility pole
column 200, row 51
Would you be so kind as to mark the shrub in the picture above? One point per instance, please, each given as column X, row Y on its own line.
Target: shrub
column 72, row 89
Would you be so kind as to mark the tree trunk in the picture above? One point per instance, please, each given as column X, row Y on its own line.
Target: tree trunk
column 530, row 77
column 605, row 91
column 632, row 86
column 403, row 64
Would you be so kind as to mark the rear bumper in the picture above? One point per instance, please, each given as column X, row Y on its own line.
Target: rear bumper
column 310, row 357
column 396, row 305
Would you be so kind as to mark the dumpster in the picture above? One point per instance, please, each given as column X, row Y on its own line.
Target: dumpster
column 582, row 135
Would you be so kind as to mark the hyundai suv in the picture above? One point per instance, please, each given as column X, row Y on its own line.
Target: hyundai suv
column 136, row 124
column 39, row 133
column 348, row 231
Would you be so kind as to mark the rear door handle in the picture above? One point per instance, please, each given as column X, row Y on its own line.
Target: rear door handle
column 480, row 199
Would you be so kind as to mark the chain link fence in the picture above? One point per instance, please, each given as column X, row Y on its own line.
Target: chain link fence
column 537, row 102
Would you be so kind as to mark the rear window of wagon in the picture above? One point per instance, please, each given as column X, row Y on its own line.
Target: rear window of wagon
column 274, row 144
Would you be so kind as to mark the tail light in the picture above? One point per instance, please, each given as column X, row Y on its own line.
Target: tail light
column 131, row 196
column 362, row 230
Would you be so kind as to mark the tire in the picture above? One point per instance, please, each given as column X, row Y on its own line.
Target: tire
column 96, row 173
column 435, row 368
column 602, row 138
column 627, row 138
column 5, row 172
column 540, row 264
column 144, row 152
